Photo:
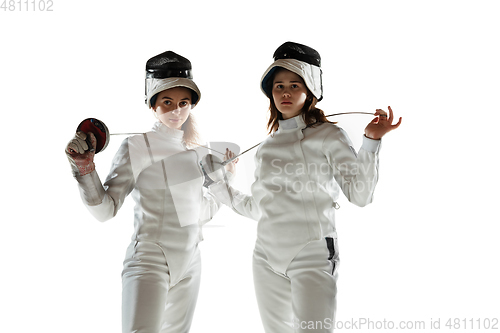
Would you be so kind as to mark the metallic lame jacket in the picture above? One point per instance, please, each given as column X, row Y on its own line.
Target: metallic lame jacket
column 299, row 174
column 166, row 182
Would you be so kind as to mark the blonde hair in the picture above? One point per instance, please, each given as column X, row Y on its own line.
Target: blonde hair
column 191, row 135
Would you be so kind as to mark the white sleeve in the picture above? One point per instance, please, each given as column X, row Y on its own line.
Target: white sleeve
column 356, row 174
column 104, row 201
column 209, row 207
column 239, row 202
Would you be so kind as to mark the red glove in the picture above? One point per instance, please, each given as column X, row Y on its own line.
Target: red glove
column 79, row 155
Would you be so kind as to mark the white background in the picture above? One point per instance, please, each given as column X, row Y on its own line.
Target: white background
column 427, row 247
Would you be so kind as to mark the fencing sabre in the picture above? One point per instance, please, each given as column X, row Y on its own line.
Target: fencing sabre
column 211, row 164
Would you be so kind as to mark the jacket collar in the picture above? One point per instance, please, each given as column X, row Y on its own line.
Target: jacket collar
column 159, row 127
column 296, row 122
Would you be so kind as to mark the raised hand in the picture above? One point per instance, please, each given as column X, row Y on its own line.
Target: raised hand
column 381, row 125
column 231, row 167
column 79, row 155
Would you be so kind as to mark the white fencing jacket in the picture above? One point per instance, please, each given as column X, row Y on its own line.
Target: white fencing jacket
column 299, row 174
column 166, row 182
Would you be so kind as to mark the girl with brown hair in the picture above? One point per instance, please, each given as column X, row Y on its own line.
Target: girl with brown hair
column 301, row 168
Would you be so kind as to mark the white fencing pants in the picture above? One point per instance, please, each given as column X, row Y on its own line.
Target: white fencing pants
column 149, row 303
column 303, row 299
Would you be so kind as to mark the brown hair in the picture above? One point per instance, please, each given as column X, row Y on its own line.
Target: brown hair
column 312, row 115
